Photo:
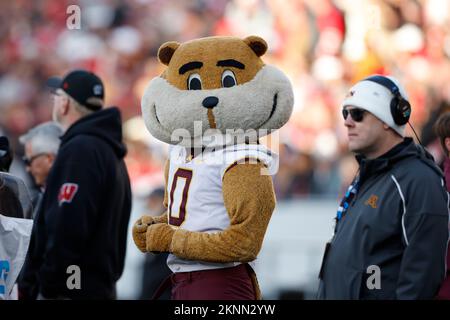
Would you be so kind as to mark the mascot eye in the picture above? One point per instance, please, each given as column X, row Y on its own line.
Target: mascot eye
column 194, row 82
column 228, row 79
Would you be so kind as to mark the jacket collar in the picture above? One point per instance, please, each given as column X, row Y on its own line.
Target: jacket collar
column 369, row 167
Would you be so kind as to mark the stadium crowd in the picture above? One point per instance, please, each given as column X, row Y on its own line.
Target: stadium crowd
column 322, row 45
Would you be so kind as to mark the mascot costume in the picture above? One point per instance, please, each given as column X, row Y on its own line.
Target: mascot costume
column 211, row 104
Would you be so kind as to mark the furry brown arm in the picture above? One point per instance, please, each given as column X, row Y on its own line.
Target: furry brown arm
column 249, row 199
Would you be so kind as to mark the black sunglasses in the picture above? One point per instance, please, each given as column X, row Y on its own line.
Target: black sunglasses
column 29, row 161
column 356, row 114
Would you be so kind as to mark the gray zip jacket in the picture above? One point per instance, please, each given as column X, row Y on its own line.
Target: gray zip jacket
column 397, row 222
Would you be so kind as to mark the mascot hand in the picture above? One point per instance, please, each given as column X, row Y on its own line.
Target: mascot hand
column 140, row 230
column 159, row 237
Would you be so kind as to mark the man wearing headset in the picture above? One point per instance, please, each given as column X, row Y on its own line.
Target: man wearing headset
column 391, row 231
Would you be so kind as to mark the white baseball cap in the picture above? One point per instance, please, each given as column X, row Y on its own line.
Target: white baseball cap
column 376, row 99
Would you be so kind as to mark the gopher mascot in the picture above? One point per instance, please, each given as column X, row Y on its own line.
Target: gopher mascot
column 218, row 194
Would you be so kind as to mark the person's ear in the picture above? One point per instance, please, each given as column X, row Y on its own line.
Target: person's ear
column 65, row 106
column 51, row 157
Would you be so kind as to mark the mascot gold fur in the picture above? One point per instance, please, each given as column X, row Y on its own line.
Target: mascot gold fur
column 219, row 194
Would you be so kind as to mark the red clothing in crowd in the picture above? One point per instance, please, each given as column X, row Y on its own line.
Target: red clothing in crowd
column 444, row 292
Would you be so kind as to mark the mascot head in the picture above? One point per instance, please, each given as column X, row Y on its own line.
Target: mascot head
column 215, row 86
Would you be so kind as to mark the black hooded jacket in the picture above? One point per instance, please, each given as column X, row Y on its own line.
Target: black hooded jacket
column 85, row 212
column 397, row 222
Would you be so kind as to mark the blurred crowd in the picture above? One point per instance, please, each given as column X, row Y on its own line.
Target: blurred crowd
column 324, row 46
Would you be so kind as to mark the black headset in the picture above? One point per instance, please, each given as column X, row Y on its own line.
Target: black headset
column 400, row 107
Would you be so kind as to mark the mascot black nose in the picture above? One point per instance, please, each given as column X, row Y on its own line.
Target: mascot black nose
column 210, row 102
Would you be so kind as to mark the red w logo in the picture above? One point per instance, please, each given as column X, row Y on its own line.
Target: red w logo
column 67, row 192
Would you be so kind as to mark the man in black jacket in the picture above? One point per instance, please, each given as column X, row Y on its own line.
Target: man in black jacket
column 391, row 229
column 81, row 230
column 5, row 154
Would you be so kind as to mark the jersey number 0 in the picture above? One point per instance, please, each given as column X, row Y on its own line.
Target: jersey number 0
column 177, row 212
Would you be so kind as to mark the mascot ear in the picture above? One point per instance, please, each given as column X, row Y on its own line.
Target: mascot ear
column 257, row 44
column 166, row 51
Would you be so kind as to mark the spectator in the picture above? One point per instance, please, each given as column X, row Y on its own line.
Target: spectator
column 442, row 129
column 14, row 203
column 394, row 216
column 14, row 232
column 10, row 205
column 14, row 196
column 84, row 217
column 41, row 146
column 5, row 154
